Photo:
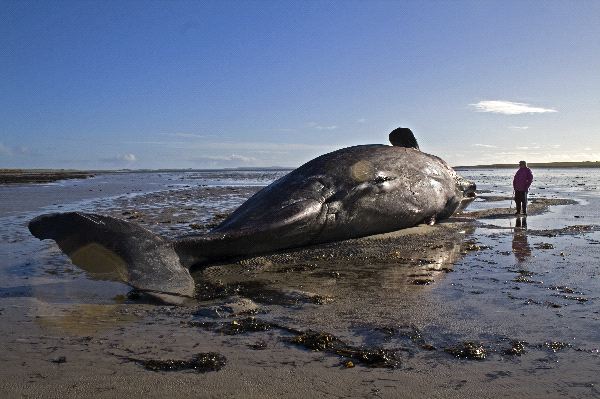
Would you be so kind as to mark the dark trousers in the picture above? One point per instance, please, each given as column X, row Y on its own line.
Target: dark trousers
column 521, row 201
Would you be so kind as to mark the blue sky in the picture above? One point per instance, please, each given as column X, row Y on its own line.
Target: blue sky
column 202, row 84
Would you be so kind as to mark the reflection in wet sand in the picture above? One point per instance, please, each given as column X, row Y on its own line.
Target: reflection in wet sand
column 82, row 319
column 520, row 245
column 353, row 282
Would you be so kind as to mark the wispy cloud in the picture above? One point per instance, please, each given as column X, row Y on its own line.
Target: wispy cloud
column 11, row 151
column 128, row 157
column 519, row 127
column 508, row 108
column 317, row 126
column 237, row 146
column 4, row 150
column 484, row 145
column 189, row 135
column 361, row 120
column 224, row 158
column 120, row 159
column 529, row 147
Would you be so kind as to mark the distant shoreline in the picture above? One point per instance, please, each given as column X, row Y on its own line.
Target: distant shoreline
column 20, row 176
column 550, row 165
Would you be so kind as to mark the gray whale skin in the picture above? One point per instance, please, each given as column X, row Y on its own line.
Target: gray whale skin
column 352, row 192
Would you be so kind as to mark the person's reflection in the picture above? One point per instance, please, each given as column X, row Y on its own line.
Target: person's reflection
column 521, row 223
column 520, row 246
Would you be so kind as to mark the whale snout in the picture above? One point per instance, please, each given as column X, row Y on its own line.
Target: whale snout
column 470, row 191
column 466, row 187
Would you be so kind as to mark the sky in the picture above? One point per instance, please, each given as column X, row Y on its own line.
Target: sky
column 220, row 84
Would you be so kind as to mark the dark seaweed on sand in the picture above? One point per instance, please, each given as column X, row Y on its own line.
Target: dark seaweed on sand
column 325, row 342
column 201, row 363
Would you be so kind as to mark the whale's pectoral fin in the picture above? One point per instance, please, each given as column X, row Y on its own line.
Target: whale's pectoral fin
column 292, row 225
column 110, row 248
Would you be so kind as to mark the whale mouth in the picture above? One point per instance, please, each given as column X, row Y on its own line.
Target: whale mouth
column 465, row 202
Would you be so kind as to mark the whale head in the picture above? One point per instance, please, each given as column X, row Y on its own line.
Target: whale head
column 467, row 189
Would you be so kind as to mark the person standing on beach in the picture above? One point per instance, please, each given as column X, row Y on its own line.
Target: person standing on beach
column 521, row 183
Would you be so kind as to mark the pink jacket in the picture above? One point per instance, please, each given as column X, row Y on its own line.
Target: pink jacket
column 523, row 179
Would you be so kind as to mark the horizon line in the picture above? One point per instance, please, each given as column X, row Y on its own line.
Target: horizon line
column 493, row 165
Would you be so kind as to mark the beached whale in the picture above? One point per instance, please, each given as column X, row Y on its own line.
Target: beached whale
column 352, row 192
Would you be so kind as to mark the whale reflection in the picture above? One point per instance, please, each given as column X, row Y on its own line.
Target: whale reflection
column 379, row 269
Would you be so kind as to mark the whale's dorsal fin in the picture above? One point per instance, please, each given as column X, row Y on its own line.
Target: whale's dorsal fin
column 403, row 137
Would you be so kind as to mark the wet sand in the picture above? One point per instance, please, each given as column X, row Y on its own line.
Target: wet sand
column 467, row 308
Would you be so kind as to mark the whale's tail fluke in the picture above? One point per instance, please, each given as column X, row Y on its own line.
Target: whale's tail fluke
column 111, row 248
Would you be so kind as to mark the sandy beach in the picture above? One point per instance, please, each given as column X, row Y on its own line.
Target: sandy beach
column 133, row 131
column 476, row 306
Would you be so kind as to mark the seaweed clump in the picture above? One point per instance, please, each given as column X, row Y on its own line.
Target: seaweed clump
column 201, row 363
column 422, row 281
column 470, row 246
column 468, row 350
column 555, row 346
column 325, row 342
column 249, row 324
column 517, row 348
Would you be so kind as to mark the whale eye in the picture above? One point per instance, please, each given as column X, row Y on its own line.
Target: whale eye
column 381, row 179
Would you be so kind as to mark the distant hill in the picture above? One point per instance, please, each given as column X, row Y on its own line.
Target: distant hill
column 586, row 164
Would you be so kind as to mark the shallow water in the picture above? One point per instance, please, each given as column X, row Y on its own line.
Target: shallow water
column 26, row 262
column 581, row 185
column 496, row 281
